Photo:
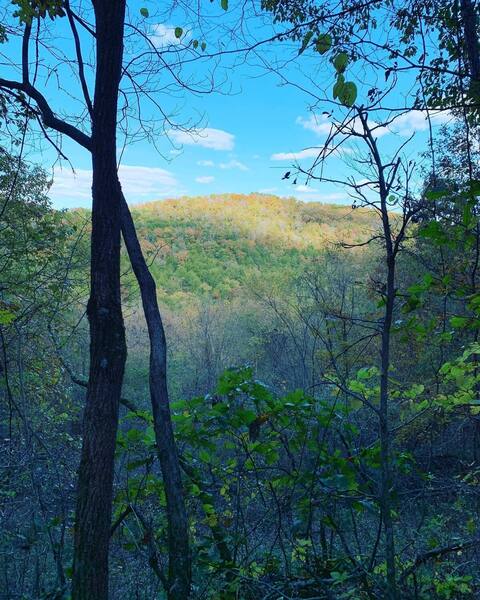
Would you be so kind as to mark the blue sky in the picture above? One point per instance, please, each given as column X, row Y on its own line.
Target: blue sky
column 249, row 132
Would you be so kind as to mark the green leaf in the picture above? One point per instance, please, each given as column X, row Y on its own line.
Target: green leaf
column 135, row 464
column 178, row 32
column 306, row 41
column 144, row 12
column 224, row 4
column 348, row 93
column 367, row 372
column 475, row 187
column 338, row 86
column 195, row 44
column 338, row 578
column 434, row 231
column 204, row 456
column 203, row 46
column 340, row 62
column 471, row 526
column 459, row 322
column 436, row 194
column 195, row 490
column 324, row 43
column 245, row 415
column 6, row 316
column 134, row 435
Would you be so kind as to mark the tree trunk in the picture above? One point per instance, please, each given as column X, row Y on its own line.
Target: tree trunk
column 179, row 572
column 385, row 459
column 107, row 335
column 470, row 34
column 385, row 492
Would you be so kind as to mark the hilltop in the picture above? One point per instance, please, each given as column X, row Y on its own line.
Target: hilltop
column 214, row 244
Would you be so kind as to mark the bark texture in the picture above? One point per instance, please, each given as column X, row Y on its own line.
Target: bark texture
column 470, row 33
column 179, row 565
column 107, row 335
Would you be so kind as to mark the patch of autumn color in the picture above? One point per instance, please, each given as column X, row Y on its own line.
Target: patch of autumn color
column 219, row 244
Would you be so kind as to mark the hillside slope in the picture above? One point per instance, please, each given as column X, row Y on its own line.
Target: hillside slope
column 213, row 245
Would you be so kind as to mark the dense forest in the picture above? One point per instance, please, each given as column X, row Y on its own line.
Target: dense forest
column 241, row 396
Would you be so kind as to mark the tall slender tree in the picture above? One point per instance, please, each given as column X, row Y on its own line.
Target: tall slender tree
column 107, row 347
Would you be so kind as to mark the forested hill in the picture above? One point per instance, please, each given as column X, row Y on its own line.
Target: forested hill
column 213, row 244
column 293, row 409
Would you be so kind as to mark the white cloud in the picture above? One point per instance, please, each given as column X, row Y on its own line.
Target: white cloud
column 164, row 35
column 304, row 189
column 307, row 153
column 404, row 125
column 333, row 197
column 205, row 179
column 417, row 120
column 313, row 153
column 138, row 184
column 322, row 125
column 271, row 190
column 314, row 195
column 366, row 183
column 146, row 181
column 215, row 139
column 233, row 164
column 67, row 184
column 318, row 124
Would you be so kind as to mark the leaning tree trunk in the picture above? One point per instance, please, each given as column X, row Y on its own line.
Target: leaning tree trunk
column 179, row 571
column 107, row 335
